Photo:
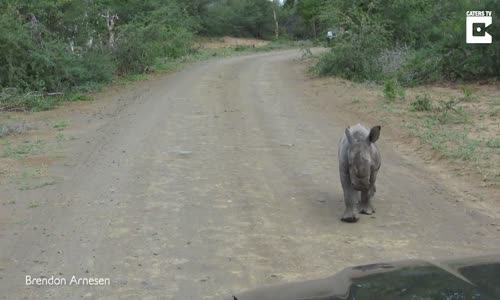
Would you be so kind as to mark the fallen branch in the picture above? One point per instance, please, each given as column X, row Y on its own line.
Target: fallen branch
column 54, row 94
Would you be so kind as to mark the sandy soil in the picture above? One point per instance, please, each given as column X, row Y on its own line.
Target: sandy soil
column 218, row 178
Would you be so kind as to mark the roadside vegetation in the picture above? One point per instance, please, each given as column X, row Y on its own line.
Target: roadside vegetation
column 408, row 49
column 457, row 124
column 412, row 42
column 55, row 51
column 52, row 52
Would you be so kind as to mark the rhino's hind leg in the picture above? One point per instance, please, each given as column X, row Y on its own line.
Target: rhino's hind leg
column 365, row 206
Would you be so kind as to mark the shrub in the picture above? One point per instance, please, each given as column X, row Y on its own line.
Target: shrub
column 450, row 112
column 354, row 55
column 140, row 45
column 15, row 44
column 392, row 60
column 432, row 33
column 468, row 96
column 420, row 67
column 33, row 61
column 421, row 103
column 393, row 89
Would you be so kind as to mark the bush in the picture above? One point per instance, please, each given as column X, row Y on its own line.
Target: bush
column 140, row 45
column 450, row 112
column 52, row 47
column 432, row 34
column 45, row 65
column 54, row 68
column 420, row 67
column 421, row 103
column 354, row 55
column 247, row 18
column 15, row 44
column 393, row 89
column 392, row 60
column 93, row 67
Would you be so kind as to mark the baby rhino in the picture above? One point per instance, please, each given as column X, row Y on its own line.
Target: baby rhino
column 359, row 162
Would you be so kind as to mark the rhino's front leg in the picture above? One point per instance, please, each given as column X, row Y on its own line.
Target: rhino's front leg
column 349, row 215
column 365, row 206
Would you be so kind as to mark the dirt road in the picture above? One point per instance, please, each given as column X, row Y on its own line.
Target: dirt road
column 220, row 178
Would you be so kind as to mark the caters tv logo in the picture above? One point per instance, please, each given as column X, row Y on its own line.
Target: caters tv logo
column 477, row 24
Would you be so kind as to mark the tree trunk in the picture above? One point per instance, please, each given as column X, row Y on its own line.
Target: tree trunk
column 36, row 33
column 276, row 28
column 111, row 22
column 314, row 28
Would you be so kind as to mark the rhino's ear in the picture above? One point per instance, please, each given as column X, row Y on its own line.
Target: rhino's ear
column 348, row 135
column 374, row 134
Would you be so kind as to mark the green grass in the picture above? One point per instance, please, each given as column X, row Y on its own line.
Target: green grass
column 451, row 112
column 60, row 124
column 27, row 186
column 79, row 97
column 421, row 103
column 494, row 113
column 467, row 94
column 34, row 204
column 30, row 173
column 60, row 137
column 389, row 107
column 452, row 143
column 355, row 101
column 135, row 77
column 33, row 178
column 392, row 90
column 466, row 151
column 22, row 150
column 493, row 143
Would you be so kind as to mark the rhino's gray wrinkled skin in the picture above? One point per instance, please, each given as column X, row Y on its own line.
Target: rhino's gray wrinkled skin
column 359, row 162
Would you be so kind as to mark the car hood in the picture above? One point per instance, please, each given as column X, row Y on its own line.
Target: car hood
column 475, row 278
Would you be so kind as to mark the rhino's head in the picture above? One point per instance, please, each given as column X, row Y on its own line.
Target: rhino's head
column 361, row 158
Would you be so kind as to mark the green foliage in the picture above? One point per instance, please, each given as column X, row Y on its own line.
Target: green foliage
column 432, row 32
column 140, row 45
column 72, row 47
column 354, row 54
column 247, row 18
column 393, row 89
column 422, row 66
column 23, row 149
column 494, row 112
column 60, row 124
column 467, row 92
column 66, row 47
column 453, row 143
column 468, row 95
column 493, row 143
column 421, row 103
column 15, row 42
column 450, row 112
